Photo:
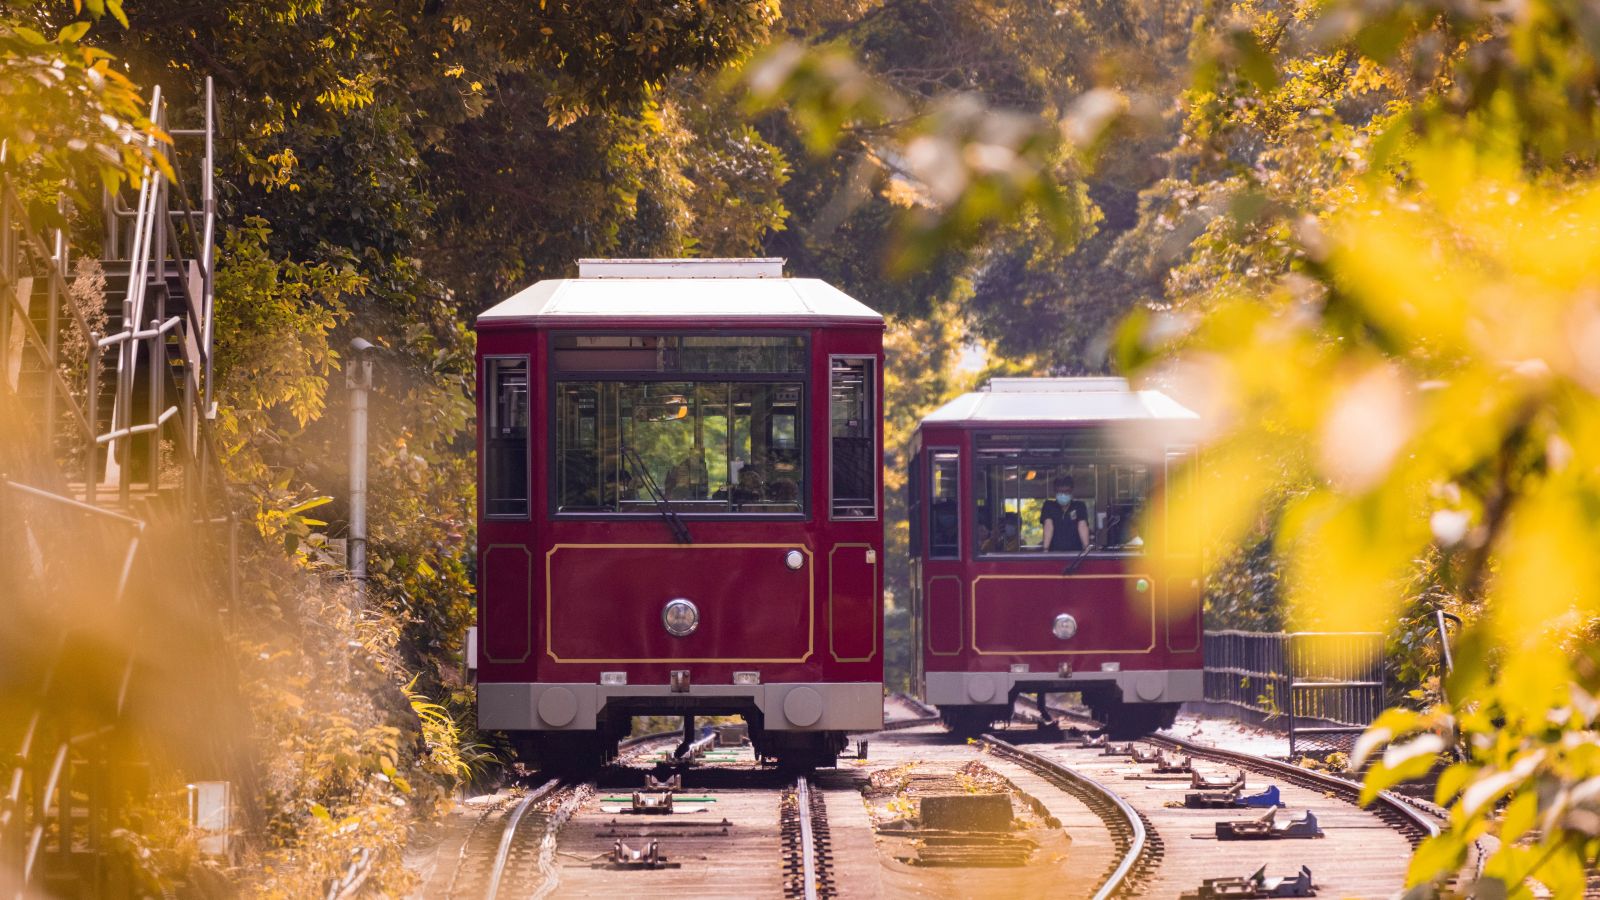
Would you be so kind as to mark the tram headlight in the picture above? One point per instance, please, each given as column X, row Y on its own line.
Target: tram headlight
column 1064, row 627
column 680, row 617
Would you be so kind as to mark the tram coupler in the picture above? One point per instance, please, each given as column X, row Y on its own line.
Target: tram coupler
column 672, row 782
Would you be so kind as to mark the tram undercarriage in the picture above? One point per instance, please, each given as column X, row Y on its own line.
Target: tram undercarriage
column 807, row 726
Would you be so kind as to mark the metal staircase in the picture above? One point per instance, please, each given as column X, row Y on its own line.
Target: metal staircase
column 105, row 407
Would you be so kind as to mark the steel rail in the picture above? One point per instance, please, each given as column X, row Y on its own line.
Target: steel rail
column 1423, row 820
column 928, row 715
column 1119, row 878
column 503, row 852
column 1425, row 817
column 808, row 842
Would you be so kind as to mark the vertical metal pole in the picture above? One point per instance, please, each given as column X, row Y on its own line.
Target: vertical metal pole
column 126, row 370
column 91, row 458
column 157, row 357
column 1289, row 679
column 209, row 201
column 8, row 283
column 358, row 378
column 53, row 332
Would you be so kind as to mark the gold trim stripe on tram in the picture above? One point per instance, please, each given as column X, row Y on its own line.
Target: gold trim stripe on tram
column 811, row 602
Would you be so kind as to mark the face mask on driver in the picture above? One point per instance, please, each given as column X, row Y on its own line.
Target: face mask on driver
column 1063, row 498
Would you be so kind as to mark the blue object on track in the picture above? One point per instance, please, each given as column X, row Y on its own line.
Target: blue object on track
column 1263, row 800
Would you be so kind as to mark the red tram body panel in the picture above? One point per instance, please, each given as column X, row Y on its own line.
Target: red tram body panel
column 1000, row 613
column 680, row 505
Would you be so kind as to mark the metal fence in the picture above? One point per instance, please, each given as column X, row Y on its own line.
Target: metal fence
column 1323, row 688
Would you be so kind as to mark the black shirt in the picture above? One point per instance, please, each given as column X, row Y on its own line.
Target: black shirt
column 1064, row 536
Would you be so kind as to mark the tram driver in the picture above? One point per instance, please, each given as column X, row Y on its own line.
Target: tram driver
column 1065, row 521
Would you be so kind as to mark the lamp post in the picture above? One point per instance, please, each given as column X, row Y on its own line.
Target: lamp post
column 358, row 378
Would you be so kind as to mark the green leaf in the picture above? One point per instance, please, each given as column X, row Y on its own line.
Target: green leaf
column 1436, row 857
column 313, row 503
column 1401, row 762
column 1254, row 62
column 1452, row 780
column 1393, row 723
column 1519, row 816
column 71, row 33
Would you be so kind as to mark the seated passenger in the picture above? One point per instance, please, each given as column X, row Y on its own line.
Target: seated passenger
column 1065, row 520
column 1010, row 537
column 784, row 490
column 749, row 488
column 1122, row 527
column 1003, row 540
column 687, row 479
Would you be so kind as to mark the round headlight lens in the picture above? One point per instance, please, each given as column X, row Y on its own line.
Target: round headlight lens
column 793, row 559
column 1064, row 627
column 680, row 617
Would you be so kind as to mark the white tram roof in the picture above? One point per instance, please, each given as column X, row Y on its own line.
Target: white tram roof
column 1046, row 400
column 678, row 288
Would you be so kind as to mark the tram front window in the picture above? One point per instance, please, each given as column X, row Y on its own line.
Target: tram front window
column 702, row 445
column 1022, row 481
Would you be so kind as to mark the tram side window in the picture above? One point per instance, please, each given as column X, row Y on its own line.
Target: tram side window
column 506, row 463
column 914, row 504
column 853, row 428
column 944, row 511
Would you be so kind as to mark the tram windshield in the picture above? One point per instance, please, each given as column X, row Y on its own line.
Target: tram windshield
column 1070, row 485
column 703, row 444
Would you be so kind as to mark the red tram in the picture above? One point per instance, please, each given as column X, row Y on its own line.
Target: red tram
column 1030, row 574
column 680, row 507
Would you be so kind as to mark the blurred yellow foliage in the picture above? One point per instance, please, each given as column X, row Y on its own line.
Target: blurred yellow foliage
column 1435, row 382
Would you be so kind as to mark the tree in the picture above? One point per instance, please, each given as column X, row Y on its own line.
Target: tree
column 1400, row 250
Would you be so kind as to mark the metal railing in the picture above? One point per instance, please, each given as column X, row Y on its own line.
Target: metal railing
column 57, row 811
column 1323, row 688
column 162, row 350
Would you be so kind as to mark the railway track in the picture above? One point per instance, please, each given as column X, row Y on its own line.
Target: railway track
column 807, row 844
column 1411, row 817
column 1363, row 853
column 1125, row 825
column 509, row 847
column 757, row 834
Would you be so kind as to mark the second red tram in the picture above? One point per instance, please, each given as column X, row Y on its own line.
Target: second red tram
column 1030, row 572
column 680, row 507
